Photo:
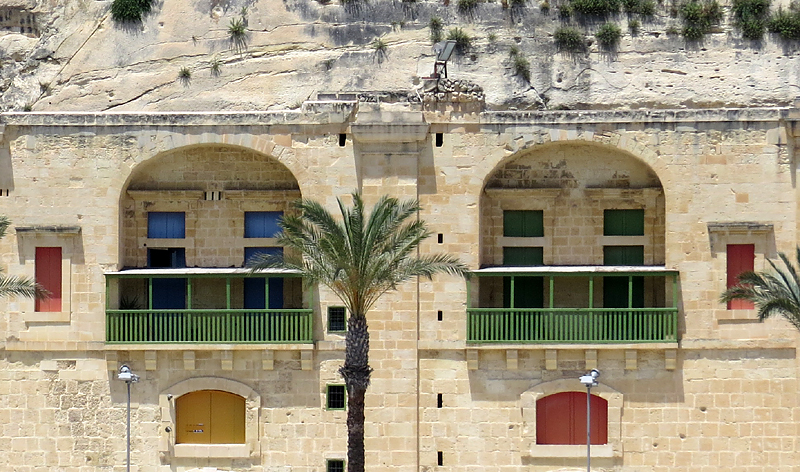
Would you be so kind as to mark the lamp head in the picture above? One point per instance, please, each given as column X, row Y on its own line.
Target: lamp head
column 590, row 379
column 126, row 375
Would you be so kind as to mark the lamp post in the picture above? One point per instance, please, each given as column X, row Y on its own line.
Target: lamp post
column 126, row 375
column 589, row 380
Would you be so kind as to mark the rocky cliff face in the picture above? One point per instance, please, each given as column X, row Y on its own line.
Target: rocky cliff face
column 70, row 55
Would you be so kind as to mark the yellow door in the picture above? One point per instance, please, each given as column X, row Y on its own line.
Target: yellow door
column 210, row 417
column 193, row 413
column 227, row 418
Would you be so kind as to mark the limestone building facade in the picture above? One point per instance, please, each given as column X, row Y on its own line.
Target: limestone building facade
column 598, row 239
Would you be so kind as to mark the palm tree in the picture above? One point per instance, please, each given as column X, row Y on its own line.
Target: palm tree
column 775, row 293
column 359, row 257
column 19, row 286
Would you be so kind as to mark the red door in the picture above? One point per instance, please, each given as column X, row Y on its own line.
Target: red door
column 741, row 258
column 48, row 275
column 561, row 419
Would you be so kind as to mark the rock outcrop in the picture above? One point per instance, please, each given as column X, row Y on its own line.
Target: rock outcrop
column 70, row 55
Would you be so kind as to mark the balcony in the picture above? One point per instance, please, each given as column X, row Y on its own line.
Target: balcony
column 633, row 305
column 205, row 306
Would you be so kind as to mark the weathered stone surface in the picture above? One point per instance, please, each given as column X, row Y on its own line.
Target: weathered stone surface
column 296, row 49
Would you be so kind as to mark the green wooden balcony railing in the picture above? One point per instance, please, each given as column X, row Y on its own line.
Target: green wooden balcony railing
column 209, row 326
column 588, row 324
column 571, row 325
column 227, row 323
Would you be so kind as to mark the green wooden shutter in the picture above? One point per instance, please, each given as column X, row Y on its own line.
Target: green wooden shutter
column 523, row 223
column 523, row 256
column 623, row 255
column 615, row 289
column 528, row 291
column 623, row 222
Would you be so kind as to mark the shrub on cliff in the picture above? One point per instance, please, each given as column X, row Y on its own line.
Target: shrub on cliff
column 126, row 11
column 786, row 23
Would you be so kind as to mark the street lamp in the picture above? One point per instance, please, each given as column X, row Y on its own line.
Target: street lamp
column 589, row 380
column 126, row 375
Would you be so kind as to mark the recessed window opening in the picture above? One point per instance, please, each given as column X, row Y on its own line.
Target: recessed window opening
column 337, row 319
column 440, row 457
column 335, row 465
column 439, row 400
column 439, row 315
column 255, row 288
column 440, row 238
column 439, row 139
column 174, row 257
column 342, row 139
column 337, row 395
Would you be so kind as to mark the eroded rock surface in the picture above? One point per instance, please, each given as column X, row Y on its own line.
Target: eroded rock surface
column 73, row 56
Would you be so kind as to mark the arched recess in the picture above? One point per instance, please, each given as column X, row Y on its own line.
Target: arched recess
column 167, row 401
column 573, row 182
column 192, row 207
column 577, row 204
column 528, row 403
column 214, row 185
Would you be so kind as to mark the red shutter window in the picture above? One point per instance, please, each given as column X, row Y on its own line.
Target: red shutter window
column 48, row 275
column 561, row 419
column 741, row 258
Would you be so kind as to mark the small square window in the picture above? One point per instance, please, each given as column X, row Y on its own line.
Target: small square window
column 337, row 319
column 336, row 397
column 335, row 465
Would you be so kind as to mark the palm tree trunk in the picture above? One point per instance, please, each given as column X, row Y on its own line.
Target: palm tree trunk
column 356, row 372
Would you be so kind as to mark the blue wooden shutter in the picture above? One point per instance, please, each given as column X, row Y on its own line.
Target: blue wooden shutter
column 166, row 225
column 262, row 224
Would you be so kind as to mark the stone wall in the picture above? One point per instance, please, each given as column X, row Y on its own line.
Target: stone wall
column 724, row 398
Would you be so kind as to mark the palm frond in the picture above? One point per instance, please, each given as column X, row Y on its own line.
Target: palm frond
column 4, row 224
column 358, row 255
column 11, row 285
column 774, row 293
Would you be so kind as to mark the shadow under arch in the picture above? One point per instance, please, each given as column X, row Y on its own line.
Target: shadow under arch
column 214, row 184
column 572, row 182
column 525, row 145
